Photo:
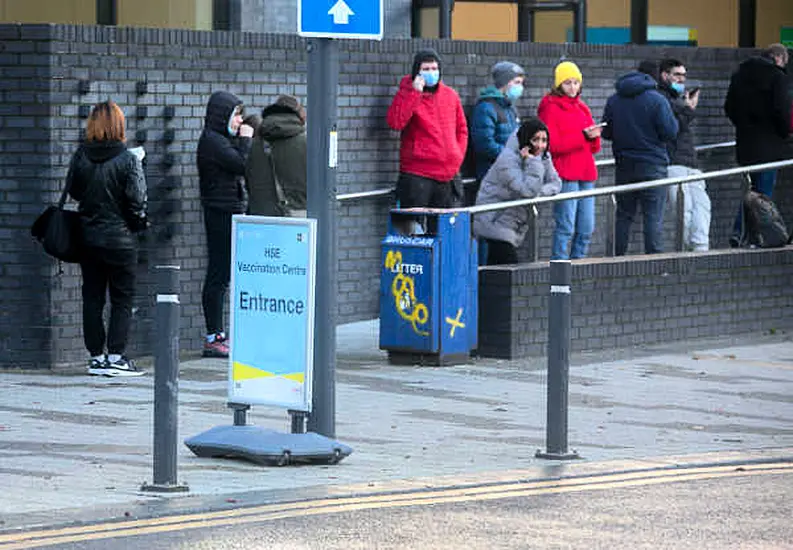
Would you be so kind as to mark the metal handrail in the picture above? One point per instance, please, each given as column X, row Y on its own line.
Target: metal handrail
column 699, row 148
column 364, row 194
column 639, row 186
column 602, row 162
column 533, row 237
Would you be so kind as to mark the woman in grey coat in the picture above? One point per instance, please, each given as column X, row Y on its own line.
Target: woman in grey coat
column 523, row 170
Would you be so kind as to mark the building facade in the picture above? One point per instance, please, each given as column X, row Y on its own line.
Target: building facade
column 710, row 23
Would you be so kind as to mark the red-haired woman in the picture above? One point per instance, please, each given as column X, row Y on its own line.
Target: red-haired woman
column 108, row 182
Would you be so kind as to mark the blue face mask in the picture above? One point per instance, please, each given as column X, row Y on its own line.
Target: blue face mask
column 514, row 91
column 228, row 125
column 678, row 87
column 431, row 78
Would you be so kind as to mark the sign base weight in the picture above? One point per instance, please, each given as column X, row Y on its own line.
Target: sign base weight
column 267, row 447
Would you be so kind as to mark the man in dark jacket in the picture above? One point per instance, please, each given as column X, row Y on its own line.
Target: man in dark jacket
column 758, row 104
column 276, row 171
column 640, row 123
column 683, row 155
column 222, row 152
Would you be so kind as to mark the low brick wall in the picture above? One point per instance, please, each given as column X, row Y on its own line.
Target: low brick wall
column 629, row 301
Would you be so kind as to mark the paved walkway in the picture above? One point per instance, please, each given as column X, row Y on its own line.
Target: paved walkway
column 74, row 441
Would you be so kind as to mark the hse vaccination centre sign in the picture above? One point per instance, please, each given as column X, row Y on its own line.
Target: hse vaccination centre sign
column 273, row 275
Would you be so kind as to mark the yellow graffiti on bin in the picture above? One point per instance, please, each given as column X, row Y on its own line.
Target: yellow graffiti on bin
column 403, row 287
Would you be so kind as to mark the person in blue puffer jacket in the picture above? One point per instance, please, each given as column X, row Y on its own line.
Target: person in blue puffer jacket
column 641, row 125
column 493, row 121
column 494, row 117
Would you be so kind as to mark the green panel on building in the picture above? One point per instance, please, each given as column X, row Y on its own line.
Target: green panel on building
column 786, row 36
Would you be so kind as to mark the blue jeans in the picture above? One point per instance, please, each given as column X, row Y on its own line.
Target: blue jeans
column 575, row 219
column 762, row 182
column 653, row 202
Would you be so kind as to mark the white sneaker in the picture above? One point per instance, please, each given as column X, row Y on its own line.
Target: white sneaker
column 97, row 367
column 122, row 367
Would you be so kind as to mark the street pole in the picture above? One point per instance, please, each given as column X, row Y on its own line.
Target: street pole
column 445, row 19
column 639, row 18
column 322, row 145
column 579, row 21
column 166, row 382
column 525, row 22
column 558, row 363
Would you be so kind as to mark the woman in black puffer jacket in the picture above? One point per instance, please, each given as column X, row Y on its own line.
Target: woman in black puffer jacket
column 108, row 182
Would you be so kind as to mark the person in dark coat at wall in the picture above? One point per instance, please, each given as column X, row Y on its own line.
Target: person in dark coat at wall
column 758, row 104
column 641, row 125
column 108, row 182
column 222, row 154
column 278, row 159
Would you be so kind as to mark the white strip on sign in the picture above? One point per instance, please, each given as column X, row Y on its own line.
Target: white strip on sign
column 560, row 289
column 167, row 298
column 333, row 149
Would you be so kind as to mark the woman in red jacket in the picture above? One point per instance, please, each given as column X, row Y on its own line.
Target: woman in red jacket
column 574, row 139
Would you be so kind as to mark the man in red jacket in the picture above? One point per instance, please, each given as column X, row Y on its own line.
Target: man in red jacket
column 434, row 135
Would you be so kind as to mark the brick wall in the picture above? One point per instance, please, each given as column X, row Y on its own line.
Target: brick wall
column 624, row 302
column 43, row 67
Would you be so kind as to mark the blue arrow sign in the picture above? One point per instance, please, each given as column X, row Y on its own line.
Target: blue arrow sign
column 361, row 19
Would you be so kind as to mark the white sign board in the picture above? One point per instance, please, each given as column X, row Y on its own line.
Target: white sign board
column 273, row 274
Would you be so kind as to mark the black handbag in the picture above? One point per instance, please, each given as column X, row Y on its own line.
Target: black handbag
column 60, row 231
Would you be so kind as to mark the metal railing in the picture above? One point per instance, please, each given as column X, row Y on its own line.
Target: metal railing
column 602, row 162
column 612, row 192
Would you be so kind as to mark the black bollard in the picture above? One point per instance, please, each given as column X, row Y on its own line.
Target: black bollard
column 558, row 363
column 166, row 382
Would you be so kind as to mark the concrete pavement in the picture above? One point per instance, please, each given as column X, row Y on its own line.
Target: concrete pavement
column 77, row 441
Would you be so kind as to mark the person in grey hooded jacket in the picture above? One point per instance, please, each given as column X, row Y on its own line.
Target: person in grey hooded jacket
column 523, row 170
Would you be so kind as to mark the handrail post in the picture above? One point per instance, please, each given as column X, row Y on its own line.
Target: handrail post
column 680, row 219
column 611, row 222
column 533, row 235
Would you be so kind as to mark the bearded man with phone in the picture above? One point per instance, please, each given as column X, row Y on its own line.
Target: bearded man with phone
column 683, row 156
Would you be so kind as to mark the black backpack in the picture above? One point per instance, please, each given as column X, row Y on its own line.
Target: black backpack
column 763, row 225
column 468, row 168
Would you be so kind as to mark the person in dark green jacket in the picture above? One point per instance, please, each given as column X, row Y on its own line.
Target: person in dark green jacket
column 276, row 172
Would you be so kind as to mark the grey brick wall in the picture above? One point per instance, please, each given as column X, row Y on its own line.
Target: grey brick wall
column 30, row 289
column 44, row 65
column 634, row 301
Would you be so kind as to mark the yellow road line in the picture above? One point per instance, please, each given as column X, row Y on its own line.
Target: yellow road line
column 270, row 512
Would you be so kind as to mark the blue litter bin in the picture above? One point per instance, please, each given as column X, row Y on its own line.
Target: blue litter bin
column 428, row 288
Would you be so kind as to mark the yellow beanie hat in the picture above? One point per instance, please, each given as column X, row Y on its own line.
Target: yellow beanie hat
column 566, row 70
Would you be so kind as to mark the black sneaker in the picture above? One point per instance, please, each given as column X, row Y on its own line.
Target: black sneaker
column 97, row 367
column 122, row 367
